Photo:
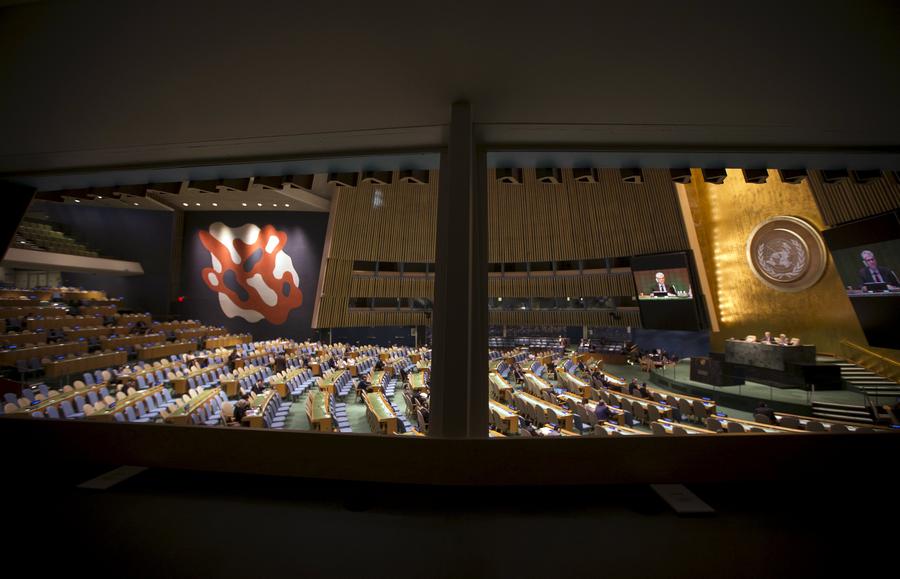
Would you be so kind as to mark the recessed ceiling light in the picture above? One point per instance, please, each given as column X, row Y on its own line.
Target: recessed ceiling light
column 259, row 204
column 243, row 204
column 287, row 204
column 274, row 204
column 136, row 203
column 78, row 201
column 215, row 204
column 21, row 242
column 99, row 196
column 197, row 204
column 185, row 204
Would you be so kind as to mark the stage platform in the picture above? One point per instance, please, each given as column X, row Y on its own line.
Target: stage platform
column 746, row 396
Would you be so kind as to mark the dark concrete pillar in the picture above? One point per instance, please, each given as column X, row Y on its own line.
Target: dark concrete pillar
column 459, row 400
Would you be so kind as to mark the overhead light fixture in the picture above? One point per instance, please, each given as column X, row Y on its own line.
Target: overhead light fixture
column 197, row 204
column 680, row 175
column 715, row 175
column 215, row 204
column 287, row 204
column 185, row 204
column 259, row 204
column 274, row 204
column 136, row 203
column 99, row 196
column 243, row 204
column 78, row 201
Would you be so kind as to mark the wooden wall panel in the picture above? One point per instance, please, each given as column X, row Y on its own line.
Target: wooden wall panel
column 527, row 223
column 394, row 222
column 621, row 318
column 587, row 285
column 572, row 220
column 366, row 318
column 847, row 200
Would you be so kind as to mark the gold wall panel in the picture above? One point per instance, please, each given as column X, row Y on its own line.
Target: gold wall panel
column 847, row 200
column 725, row 215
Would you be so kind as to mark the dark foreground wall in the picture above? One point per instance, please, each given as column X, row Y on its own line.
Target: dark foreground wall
column 305, row 240
column 134, row 235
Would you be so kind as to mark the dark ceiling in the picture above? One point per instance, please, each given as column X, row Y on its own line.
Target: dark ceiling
column 106, row 83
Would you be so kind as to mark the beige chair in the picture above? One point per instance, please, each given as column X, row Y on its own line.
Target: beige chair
column 88, row 409
column 78, row 384
column 815, row 426
column 228, row 414
column 67, row 389
column 762, row 419
column 121, row 395
column 24, row 402
column 790, row 422
column 714, row 425
column 9, row 408
column 109, row 400
column 699, row 410
column 640, row 413
column 40, row 397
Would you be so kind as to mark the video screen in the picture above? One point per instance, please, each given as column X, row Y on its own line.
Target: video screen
column 866, row 254
column 665, row 293
column 668, row 284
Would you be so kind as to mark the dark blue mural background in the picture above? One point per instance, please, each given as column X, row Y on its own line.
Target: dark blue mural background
column 129, row 234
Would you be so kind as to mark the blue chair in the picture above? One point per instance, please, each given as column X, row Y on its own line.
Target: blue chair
column 88, row 378
column 68, row 411
column 143, row 412
column 92, row 397
column 129, row 412
column 52, row 412
column 11, row 398
column 79, row 402
column 28, row 393
column 119, row 417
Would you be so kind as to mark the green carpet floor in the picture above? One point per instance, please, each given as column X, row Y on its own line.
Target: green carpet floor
column 356, row 413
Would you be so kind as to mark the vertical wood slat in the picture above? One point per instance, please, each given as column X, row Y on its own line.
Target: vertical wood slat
column 529, row 222
column 847, row 200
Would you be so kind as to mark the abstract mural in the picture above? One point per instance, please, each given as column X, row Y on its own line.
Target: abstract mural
column 253, row 276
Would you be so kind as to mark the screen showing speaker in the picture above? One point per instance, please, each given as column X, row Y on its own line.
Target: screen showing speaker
column 664, row 285
column 866, row 254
